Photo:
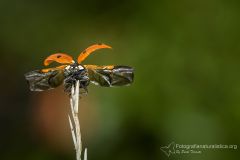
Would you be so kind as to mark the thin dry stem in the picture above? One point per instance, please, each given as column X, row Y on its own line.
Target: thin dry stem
column 72, row 130
column 75, row 127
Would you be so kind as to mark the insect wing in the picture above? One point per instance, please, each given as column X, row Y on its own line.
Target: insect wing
column 122, row 75
column 110, row 76
column 40, row 81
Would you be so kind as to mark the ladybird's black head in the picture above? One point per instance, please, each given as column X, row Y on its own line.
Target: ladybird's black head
column 74, row 68
column 75, row 64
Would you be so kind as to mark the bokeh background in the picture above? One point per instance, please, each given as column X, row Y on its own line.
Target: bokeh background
column 186, row 56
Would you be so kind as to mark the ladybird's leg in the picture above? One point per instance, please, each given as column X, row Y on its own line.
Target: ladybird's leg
column 67, row 88
column 68, row 82
column 85, row 89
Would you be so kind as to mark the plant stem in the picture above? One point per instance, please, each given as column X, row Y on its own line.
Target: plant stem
column 74, row 122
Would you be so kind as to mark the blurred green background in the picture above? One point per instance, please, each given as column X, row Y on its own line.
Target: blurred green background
column 186, row 56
